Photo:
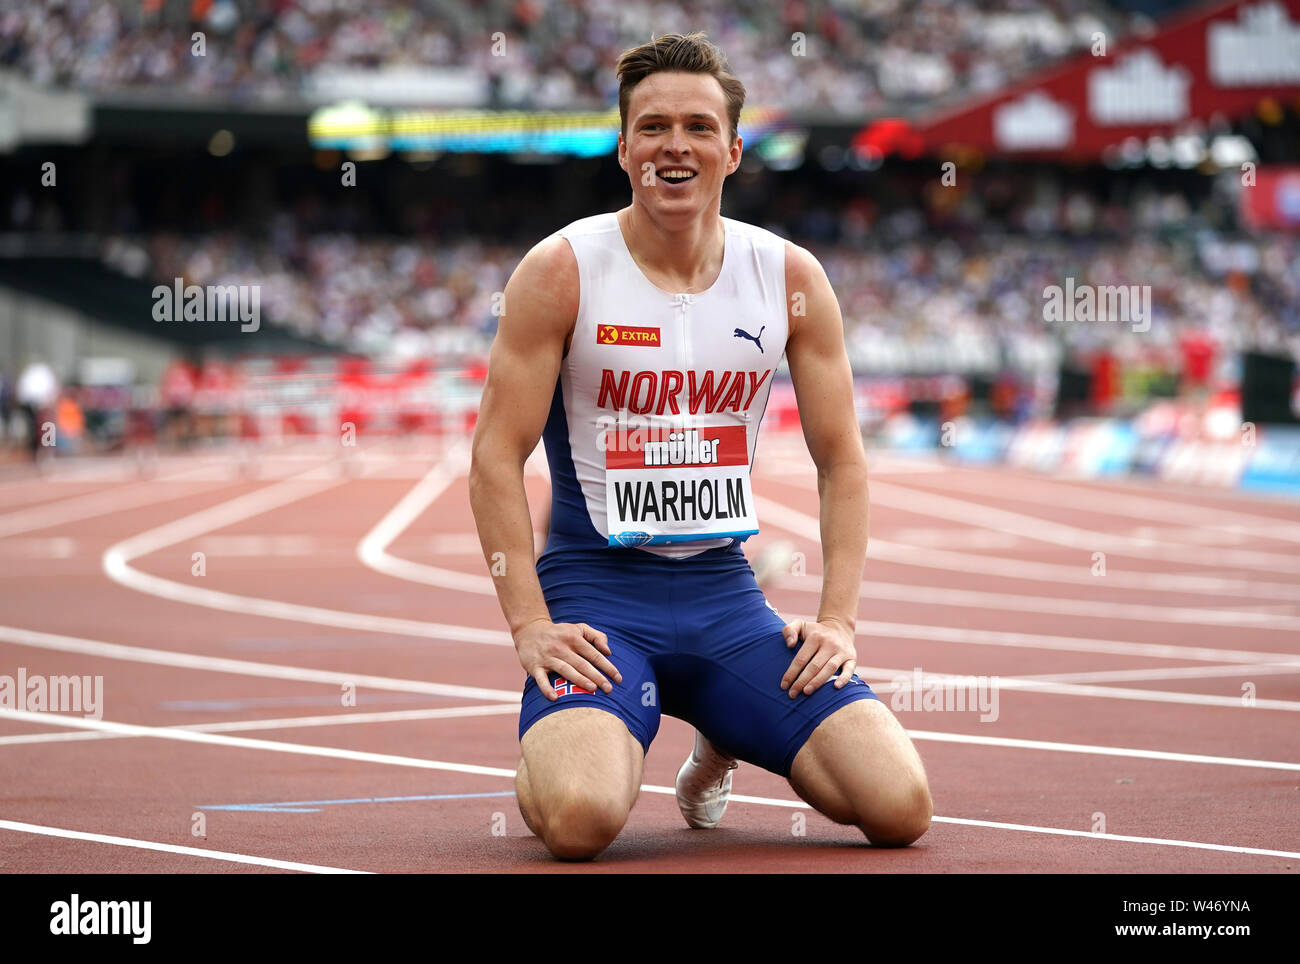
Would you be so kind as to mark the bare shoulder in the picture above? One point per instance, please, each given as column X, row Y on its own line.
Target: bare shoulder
column 808, row 291
column 801, row 267
column 546, row 280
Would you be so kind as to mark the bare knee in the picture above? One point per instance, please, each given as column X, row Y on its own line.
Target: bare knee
column 524, row 797
column 900, row 817
column 579, row 826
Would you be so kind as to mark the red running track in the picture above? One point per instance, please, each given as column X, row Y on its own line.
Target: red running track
column 1146, row 698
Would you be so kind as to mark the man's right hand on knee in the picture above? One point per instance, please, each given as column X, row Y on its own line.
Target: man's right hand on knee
column 574, row 651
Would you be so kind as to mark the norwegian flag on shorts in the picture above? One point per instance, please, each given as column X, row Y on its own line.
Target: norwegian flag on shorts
column 563, row 687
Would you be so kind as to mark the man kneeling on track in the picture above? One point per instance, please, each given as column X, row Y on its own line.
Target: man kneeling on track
column 640, row 346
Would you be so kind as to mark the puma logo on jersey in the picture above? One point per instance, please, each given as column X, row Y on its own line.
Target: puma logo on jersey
column 741, row 333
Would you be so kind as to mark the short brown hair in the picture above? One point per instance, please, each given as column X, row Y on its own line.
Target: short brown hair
column 690, row 53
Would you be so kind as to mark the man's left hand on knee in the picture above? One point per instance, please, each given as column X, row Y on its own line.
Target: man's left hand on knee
column 828, row 647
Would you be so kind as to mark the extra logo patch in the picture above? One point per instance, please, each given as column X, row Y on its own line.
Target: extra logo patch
column 627, row 335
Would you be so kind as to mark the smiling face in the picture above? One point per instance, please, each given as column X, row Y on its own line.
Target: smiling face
column 677, row 148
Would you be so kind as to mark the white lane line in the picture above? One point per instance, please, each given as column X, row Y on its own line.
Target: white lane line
column 419, row 763
column 1073, row 644
column 106, row 650
column 91, row 505
column 1195, row 539
column 353, row 719
column 247, row 743
column 372, row 550
column 468, row 582
column 1121, row 503
column 951, row 560
column 117, row 566
column 1177, row 672
column 807, row 527
column 1010, row 683
column 307, row 749
column 1119, row 838
column 289, row 723
column 1119, row 751
column 53, row 547
column 420, row 496
column 1177, row 582
column 1029, row 828
column 41, row 492
column 95, row 471
column 262, row 545
column 242, row 667
column 259, row 506
column 389, row 759
column 453, row 544
column 248, row 668
column 1046, row 530
column 1059, row 606
column 172, row 848
column 964, row 681
column 974, row 541
column 780, row 455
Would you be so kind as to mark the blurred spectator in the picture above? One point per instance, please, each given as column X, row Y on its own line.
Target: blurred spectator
column 842, row 56
column 7, row 412
column 69, row 423
column 176, row 395
column 38, row 389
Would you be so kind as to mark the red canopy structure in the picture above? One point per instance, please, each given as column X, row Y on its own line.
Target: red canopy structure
column 1224, row 59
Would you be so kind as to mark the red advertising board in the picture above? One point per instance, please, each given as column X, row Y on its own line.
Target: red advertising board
column 1222, row 59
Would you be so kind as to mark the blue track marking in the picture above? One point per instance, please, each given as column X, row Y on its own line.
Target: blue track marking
column 313, row 806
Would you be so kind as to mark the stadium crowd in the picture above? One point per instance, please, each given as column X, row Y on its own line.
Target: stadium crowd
column 916, row 297
column 837, row 56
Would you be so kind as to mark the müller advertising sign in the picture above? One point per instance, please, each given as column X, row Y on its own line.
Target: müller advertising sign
column 1222, row 59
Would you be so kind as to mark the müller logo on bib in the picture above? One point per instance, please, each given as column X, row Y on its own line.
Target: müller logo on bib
column 627, row 335
column 664, row 448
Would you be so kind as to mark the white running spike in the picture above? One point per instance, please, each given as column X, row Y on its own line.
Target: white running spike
column 704, row 784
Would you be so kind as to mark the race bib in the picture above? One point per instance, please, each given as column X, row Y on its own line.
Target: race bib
column 670, row 485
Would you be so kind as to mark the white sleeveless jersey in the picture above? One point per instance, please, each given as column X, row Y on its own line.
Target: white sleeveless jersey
column 655, row 417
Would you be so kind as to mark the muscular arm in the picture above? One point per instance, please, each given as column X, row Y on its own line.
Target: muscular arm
column 541, row 305
column 823, row 384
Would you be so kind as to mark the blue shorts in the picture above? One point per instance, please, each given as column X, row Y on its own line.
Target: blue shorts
column 694, row 638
